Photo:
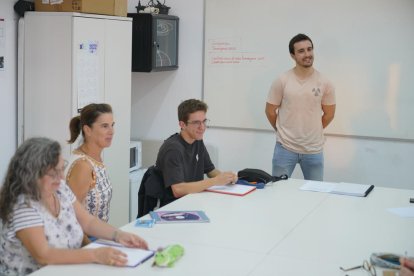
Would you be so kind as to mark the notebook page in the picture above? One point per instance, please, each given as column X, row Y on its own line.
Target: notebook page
column 135, row 255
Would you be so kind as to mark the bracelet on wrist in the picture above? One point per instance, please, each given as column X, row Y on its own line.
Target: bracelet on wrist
column 115, row 236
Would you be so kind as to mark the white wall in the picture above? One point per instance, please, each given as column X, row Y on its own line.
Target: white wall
column 8, row 86
column 376, row 87
column 155, row 97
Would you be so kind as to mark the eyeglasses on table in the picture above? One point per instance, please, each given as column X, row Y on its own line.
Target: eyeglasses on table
column 365, row 265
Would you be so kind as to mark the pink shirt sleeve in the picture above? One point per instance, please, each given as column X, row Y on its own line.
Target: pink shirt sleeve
column 328, row 97
column 275, row 92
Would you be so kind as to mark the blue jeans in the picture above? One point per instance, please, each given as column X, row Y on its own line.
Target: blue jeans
column 284, row 162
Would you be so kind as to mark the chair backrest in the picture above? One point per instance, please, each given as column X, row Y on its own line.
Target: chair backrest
column 152, row 192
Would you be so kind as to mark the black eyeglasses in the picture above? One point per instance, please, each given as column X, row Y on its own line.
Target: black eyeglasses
column 205, row 122
column 365, row 265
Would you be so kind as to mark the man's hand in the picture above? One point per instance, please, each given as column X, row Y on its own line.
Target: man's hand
column 225, row 178
column 407, row 266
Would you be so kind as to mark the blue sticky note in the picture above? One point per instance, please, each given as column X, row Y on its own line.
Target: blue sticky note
column 147, row 223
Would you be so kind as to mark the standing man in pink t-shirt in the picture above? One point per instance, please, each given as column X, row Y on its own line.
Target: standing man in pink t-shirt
column 300, row 104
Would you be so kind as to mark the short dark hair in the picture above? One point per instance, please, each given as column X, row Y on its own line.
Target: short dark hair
column 190, row 106
column 298, row 38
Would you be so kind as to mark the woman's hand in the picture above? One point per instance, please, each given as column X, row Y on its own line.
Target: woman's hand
column 110, row 256
column 130, row 240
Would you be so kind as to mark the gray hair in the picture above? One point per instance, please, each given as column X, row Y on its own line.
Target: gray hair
column 31, row 161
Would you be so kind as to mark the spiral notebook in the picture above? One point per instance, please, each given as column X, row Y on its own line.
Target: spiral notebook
column 342, row 188
column 351, row 189
column 135, row 256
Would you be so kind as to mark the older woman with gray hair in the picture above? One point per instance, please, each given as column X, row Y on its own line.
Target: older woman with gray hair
column 43, row 223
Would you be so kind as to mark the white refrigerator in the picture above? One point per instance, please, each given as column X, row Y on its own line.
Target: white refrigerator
column 67, row 60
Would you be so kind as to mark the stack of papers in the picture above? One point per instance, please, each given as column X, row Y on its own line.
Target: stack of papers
column 342, row 188
column 232, row 189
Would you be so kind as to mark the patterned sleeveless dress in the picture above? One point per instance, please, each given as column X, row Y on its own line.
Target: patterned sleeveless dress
column 98, row 198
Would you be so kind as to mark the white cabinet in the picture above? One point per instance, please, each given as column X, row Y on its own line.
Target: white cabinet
column 70, row 60
column 135, row 178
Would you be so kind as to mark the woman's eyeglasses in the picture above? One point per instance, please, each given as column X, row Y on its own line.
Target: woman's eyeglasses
column 57, row 174
column 365, row 265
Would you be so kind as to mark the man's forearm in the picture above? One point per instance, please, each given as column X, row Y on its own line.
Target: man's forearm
column 271, row 114
column 326, row 120
column 272, row 120
column 185, row 188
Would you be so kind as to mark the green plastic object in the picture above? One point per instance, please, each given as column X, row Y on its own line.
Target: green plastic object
column 166, row 257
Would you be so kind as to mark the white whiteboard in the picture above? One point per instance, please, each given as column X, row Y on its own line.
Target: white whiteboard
column 366, row 48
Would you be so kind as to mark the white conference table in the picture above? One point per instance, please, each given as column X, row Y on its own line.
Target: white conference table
column 279, row 230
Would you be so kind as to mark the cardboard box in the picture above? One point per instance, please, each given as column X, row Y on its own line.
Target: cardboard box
column 107, row 7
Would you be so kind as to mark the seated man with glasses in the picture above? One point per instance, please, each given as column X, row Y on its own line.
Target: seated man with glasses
column 183, row 158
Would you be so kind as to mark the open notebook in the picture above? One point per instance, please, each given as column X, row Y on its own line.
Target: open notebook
column 136, row 256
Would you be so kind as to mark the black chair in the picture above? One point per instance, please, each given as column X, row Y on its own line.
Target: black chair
column 152, row 192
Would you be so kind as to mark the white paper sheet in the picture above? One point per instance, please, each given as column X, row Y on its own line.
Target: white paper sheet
column 318, row 186
column 136, row 256
column 405, row 212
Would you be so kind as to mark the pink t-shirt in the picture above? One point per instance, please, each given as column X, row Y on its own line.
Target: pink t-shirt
column 299, row 120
